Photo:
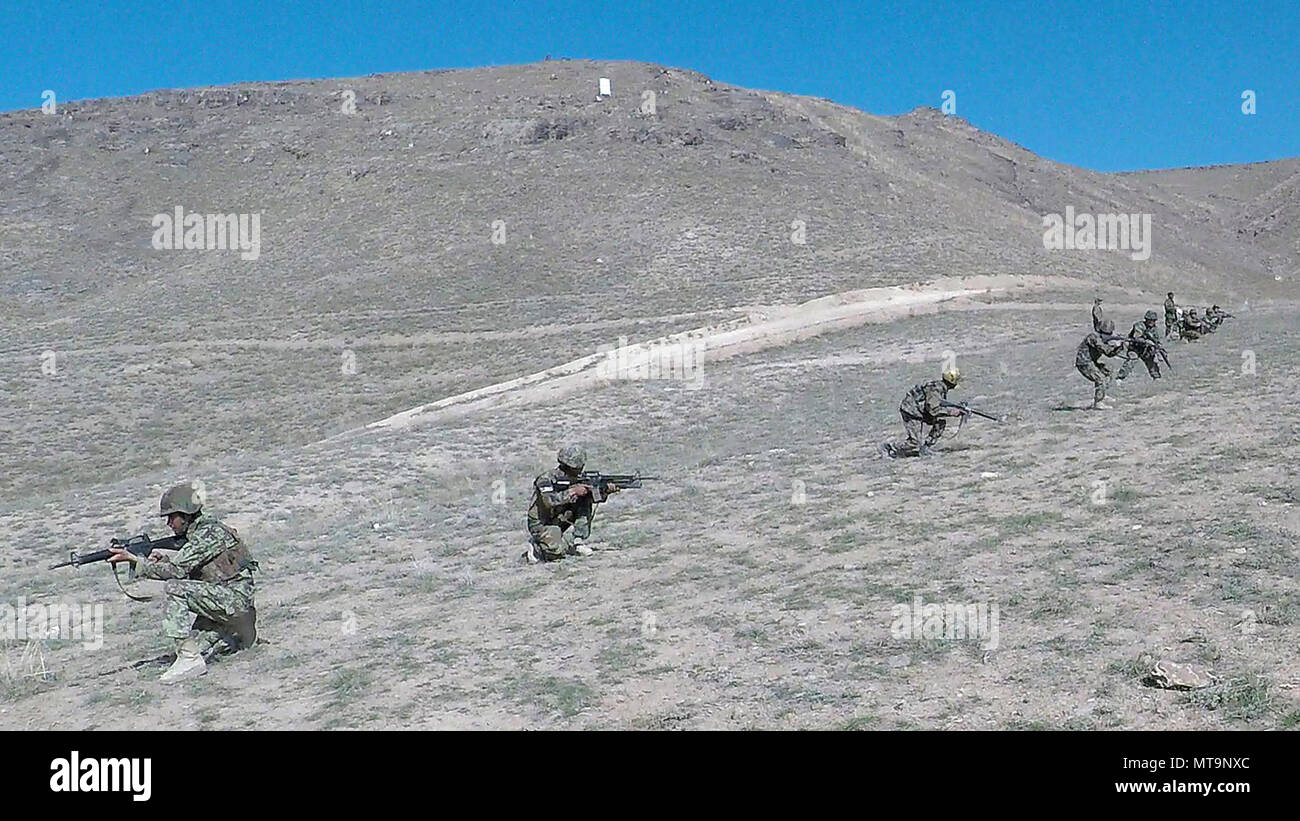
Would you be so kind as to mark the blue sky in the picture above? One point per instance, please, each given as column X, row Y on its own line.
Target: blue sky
column 1107, row 85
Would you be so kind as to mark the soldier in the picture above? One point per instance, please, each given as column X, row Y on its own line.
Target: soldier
column 1088, row 360
column 209, row 584
column 1214, row 315
column 1171, row 315
column 1097, row 316
column 1146, row 330
column 921, row 407
column 559, row 520
column 1192, row 327
column 1207, row 321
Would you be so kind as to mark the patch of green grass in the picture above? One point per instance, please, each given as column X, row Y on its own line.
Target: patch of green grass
column 622, row 656
column 1023, row 524
column 752, row 635
column 865, row 722
column 1054, row 603
column 1281, row 612
column 347, row 684
column 1290, row 720
column 1235, row 587
column 519, row 592
column 1239, row 529
column 1134, row 668
column 567, row 696
column 1274, row 494
column 1243, row 699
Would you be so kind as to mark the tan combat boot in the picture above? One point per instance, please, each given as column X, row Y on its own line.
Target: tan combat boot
column 189, row 663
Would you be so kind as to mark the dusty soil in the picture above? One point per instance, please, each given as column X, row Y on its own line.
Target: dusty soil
column 756, row 585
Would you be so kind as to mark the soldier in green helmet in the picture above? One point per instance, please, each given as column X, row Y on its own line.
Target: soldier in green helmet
column 1147, row 332
column 560, row 512
column 1087, row 359
column 209, row 583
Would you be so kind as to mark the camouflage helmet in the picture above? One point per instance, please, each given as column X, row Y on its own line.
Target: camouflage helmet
column 183, row 498
column 1107, row 326
column 572, row 456
column 952, row 376
column 1096, row 300
column 1150, row 316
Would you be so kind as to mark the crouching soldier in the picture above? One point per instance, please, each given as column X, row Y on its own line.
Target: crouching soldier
column 561, row 509
column 1088, row 361
column 1147, row 340
column 209, row 584
column 923, row 406
column 1192, row 327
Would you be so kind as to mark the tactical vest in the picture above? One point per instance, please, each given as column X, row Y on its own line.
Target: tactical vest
column 227, row 564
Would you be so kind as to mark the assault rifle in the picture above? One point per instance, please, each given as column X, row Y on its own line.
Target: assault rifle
column 600, row 482
column 140, row 545
column 966, row 410
column 1145, row 343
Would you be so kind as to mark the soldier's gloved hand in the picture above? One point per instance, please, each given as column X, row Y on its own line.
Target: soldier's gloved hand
column 578, row 491
column 117, row 555
column 611, row 488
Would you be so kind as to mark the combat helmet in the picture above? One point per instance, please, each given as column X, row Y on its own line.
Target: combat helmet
column 951, row 376
column 183, row 498
column 1150, row 316
column 572, row 457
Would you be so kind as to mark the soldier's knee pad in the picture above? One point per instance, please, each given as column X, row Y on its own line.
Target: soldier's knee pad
column 551, row 540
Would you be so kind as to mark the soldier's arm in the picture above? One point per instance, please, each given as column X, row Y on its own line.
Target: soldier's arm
column 551, row 496
column 201, row 546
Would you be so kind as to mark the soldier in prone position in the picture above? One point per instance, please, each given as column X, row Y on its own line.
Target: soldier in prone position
column 209, row 584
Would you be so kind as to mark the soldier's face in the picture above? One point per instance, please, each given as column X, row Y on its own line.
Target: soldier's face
column 178, row 523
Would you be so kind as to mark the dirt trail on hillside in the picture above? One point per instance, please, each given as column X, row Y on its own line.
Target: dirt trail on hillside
column 761, row 327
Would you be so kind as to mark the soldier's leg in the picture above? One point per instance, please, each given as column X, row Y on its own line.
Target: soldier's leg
column 912, row 425
column 552, row 543
column 582, row 514
column 1125, row 368
column 188, row 600
column 936, row 430
column 1153, row 367
column 1093, row 375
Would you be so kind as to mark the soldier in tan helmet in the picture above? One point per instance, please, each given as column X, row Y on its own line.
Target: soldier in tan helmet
column 209, row 583
column 921, row 406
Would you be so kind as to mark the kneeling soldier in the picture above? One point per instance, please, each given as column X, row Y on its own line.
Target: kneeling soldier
column 561, row 509
column 209, row 584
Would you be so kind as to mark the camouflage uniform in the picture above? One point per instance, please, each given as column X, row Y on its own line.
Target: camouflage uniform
column 1171, row 315
column 557, row 517
column 1147, row 353
column 209, row 586
column 921, row 407
column 1192, row 327
column 1088, row 360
